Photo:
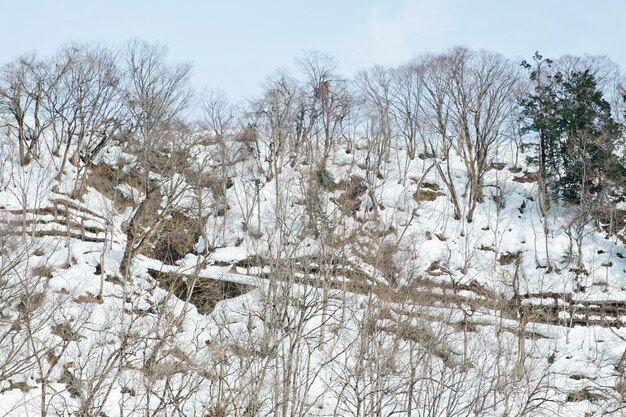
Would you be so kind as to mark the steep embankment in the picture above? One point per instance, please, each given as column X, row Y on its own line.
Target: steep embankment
column 305, row 292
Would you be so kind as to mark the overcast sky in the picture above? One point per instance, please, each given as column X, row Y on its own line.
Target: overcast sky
column 234, row 44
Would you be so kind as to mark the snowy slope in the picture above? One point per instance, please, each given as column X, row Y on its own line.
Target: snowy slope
column 393, row 306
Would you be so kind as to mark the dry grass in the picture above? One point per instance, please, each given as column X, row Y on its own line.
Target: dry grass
column 205, row 294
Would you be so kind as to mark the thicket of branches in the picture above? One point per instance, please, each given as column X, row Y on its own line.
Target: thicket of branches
column 201, row 160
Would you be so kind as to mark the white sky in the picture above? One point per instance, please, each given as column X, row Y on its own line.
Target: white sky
column 235, row 44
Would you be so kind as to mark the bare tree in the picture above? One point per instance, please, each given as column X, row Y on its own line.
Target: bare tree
column 483, row 94
column 408, row 112
column 23, row 86
column 220, row 122
column 92, row 109
column 378, row 93
column 328, row 102
column 164, row 172
column 155, row 94
column 438, row 108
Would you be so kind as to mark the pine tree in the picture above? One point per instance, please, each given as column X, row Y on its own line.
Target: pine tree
column 590, row 133
column 577, row 134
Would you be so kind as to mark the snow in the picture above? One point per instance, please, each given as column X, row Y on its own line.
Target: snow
column 239, row 343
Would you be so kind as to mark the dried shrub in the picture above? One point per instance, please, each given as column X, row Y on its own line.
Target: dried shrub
column 43, row 271
column 175, row 239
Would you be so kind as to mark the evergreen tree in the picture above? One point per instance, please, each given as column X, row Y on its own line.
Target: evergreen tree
column 577, row 134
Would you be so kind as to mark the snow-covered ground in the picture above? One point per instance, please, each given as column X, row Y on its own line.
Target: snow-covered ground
column 417, row 316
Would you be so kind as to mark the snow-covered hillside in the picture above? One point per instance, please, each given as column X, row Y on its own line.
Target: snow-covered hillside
column 228, row 270
column 458, row 319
